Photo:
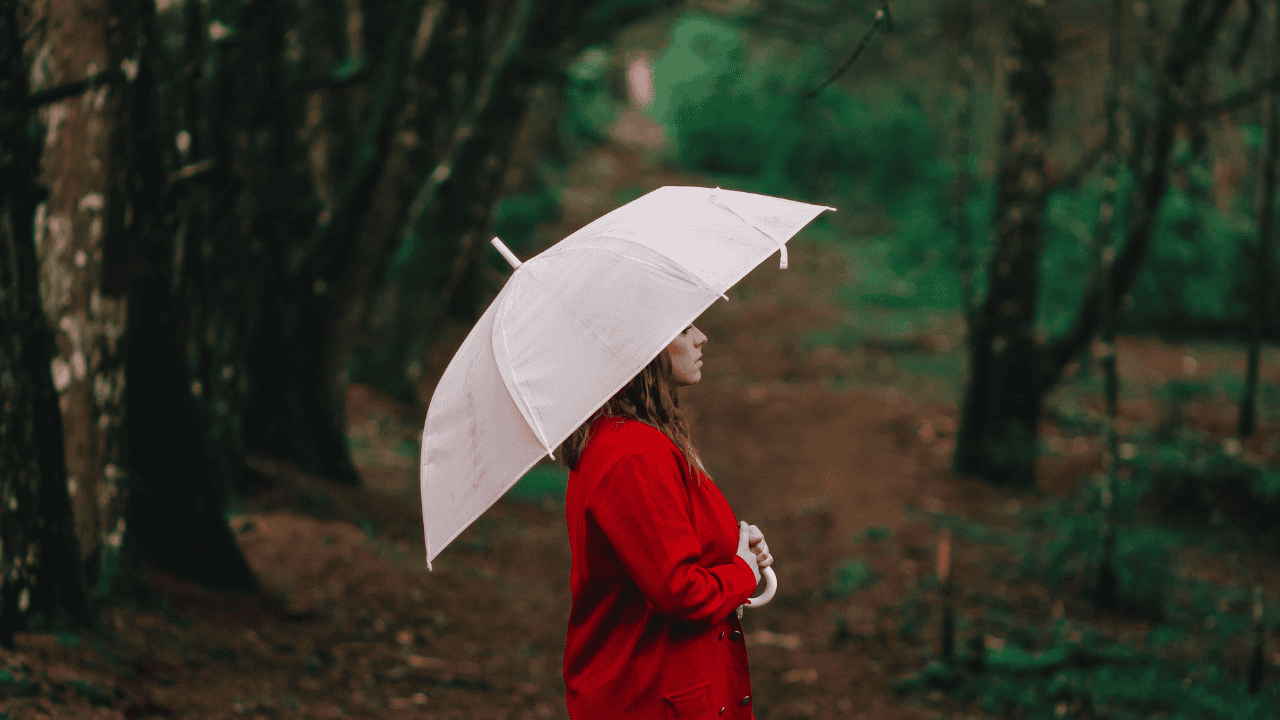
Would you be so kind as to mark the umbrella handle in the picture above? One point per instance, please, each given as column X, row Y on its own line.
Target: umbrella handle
column 770, row 587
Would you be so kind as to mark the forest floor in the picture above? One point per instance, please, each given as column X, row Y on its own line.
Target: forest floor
column 836, row 457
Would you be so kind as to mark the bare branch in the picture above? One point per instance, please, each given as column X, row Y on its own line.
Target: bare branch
column 1192, row 39
column 323, row 244
column 187, row 172
column 1087, row 162
column 1246, row 36
column 338, row 80
column 882, row 16
column 73, row 88
column 1231, row 103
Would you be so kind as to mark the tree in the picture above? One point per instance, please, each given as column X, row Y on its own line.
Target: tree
column 1104, row 256
column 41, row 576
column 230, row 180
column 1001, row 406
column 443, row 270
column 1011, row 372
column 1262, row 266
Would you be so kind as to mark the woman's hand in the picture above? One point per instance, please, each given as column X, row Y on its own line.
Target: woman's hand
column 755, row 541
column 744, row 550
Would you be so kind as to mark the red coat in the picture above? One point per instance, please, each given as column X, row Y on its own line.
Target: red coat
column 656, row 583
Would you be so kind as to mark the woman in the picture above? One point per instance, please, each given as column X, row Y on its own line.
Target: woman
column 659, row 567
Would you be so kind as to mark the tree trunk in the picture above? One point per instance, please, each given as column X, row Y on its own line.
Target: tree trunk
column 87, row 211
column 1105, row 589
column 215, row 182
column 1010, row 373
column 1258, row 311
column 1002, row 402
column 1188, row 46
column 205, row 260
column 962, row 183
column 41, row 576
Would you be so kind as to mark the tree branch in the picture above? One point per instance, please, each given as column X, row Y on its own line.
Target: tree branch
column 322, row 245
column 73, row 88
column 882, row 16
column 1231, row 103
column 1246, row 36
column 339, row 80
column 499, row 62
column 1191, row 42
column 1083, row 166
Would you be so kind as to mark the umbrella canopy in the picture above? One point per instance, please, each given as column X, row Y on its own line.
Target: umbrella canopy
column 576, row 323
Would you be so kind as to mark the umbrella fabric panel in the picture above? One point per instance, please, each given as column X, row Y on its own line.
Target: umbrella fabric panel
column 476, row 444
column 705, row 230
column 572, row 332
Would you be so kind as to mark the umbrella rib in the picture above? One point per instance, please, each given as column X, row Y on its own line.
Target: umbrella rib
column 631, row 258
column 782, row 244
column 540, row 429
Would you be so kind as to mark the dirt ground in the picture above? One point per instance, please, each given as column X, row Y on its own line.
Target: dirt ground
column 351, row 624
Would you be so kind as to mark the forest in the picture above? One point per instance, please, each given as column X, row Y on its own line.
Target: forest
column 1009, row 418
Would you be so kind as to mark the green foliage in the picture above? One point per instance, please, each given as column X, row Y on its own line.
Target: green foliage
column 543, row 481
column 1191, row 281
column 850, row 576
column 1191, row 477
column 1141, row 557
column 17, row 686
column 589, row 106
column 877, row 532
column 516, row 217
column 1112, row 681
column 737, row 111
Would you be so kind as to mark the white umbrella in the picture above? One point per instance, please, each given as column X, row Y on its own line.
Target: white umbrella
column 576, row 323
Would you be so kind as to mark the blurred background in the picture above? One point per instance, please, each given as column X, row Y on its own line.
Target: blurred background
column 1009, row 421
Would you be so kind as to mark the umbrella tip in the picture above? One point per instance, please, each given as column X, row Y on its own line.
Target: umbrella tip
column 510, row 257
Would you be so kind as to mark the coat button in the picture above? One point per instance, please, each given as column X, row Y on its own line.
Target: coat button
column 721, row 635
column 746, row 700
column 736, row 635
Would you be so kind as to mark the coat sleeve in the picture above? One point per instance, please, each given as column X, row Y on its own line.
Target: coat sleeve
column 643, row 511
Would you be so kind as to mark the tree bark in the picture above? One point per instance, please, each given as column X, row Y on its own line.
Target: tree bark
column 75, row 228
column 41, row 576
column 203, row 263
column 1002, row 402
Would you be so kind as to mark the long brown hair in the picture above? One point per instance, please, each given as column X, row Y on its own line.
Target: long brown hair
column 649, row 397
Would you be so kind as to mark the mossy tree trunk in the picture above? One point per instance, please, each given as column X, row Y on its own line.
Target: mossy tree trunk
column 79, row 231
column 41, row 577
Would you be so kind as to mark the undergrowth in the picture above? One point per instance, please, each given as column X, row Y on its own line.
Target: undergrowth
column 1195, row 637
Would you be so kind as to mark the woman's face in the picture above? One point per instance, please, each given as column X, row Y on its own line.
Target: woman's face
column 686, row 354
